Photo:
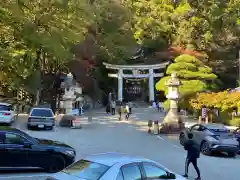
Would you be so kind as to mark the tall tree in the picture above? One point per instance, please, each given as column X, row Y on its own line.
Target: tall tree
column 211, row 27
column 193, row 74
column 40, row 36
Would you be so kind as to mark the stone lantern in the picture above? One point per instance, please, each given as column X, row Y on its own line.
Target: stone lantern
column 69, row 95
column 172, row 119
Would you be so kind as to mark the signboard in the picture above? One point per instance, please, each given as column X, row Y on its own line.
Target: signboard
column 204, row 112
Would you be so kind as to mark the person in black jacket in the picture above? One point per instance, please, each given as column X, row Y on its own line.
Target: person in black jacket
column 193, row 153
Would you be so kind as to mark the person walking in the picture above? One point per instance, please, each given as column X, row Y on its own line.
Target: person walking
column 113, row 107
column 154, row 105
column 130, row 107
column 193, row 153
column 159, row 106
column 127, row 111
column 108, row 108
column 120, row 111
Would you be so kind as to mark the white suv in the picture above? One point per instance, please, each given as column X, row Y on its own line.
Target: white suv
column 7, row 114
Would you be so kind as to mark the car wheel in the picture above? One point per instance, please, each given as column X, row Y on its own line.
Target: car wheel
column 232, row 154
column 50, row 128
column 29, row 127
column 205, row 148
column 58, row 163
column 182, row 138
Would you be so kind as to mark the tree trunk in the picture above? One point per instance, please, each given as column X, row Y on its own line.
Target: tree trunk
column 37, row 98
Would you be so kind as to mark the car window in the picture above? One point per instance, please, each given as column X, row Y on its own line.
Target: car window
column 119, row 176
column 154, row 172
column 87, row 170
column 14, row 139
column 6, row 107
column 195, row 128
column 131, row 172
column 201, row 128
column 42, row 113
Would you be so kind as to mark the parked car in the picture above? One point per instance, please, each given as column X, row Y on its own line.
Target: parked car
column 19, row 150
column 7, row 114
column 41, row 118
column 237, row 136
column 211, row 138
column 115, row 166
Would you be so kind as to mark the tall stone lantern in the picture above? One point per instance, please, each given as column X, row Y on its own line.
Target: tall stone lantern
column 172, row 118
column 69, row 95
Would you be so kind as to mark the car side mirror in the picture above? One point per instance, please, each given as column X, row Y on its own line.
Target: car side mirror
column 171, row 175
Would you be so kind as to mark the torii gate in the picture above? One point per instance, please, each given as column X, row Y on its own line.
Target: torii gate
column 135, row 69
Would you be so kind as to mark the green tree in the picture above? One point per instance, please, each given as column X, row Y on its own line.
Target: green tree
column 200, row 25
column 210, row 27
column 193, row 74
column 40, row 35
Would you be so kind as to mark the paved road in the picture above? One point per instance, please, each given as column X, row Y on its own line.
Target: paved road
column 109, row 135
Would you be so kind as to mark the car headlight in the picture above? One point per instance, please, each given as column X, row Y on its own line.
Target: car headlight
column 72, row 153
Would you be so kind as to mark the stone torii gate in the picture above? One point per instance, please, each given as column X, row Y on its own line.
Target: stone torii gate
column 135, row 74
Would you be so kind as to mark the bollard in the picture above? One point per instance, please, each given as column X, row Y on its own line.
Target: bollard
column 155, row 128
column 199, row 119
column 150, row 123
column 206, row 120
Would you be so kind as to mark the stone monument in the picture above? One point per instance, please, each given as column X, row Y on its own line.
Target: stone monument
column 69, row 95
column 172, row 121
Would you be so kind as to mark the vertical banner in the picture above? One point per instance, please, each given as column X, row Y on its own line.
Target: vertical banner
column 204, row 112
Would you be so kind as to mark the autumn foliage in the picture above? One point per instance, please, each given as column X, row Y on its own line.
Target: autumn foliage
column 225, row 101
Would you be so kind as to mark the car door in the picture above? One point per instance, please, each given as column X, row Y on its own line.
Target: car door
column 131, row 172
column 3, row 151
column 154, row 172
column 40, row 156
column 16, row 152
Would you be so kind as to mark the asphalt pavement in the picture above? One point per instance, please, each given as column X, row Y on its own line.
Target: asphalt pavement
column 107, row 134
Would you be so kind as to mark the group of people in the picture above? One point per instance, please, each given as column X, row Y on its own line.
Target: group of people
column 124, row 108
column 157, row 106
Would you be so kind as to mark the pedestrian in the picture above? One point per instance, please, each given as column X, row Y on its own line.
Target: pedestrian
column 108, row 108
column 193, row 153
column 130, row 107
column 159, row 106
column 127, row 111
column 113, row 107
column 154, row 105
column 120, row 111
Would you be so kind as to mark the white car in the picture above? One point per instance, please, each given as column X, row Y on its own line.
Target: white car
column 115, row 166
column 7, row 114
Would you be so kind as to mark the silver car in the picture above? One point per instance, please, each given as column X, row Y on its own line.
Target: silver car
column 41, row 118
column 211, row 138
column 115, row 166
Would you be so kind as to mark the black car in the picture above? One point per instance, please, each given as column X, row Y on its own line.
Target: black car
column 19, row 150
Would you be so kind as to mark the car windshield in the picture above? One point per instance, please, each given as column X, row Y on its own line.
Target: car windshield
column 218, row 128
column 87, row 170
column 42, row 113
column 5, row 107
